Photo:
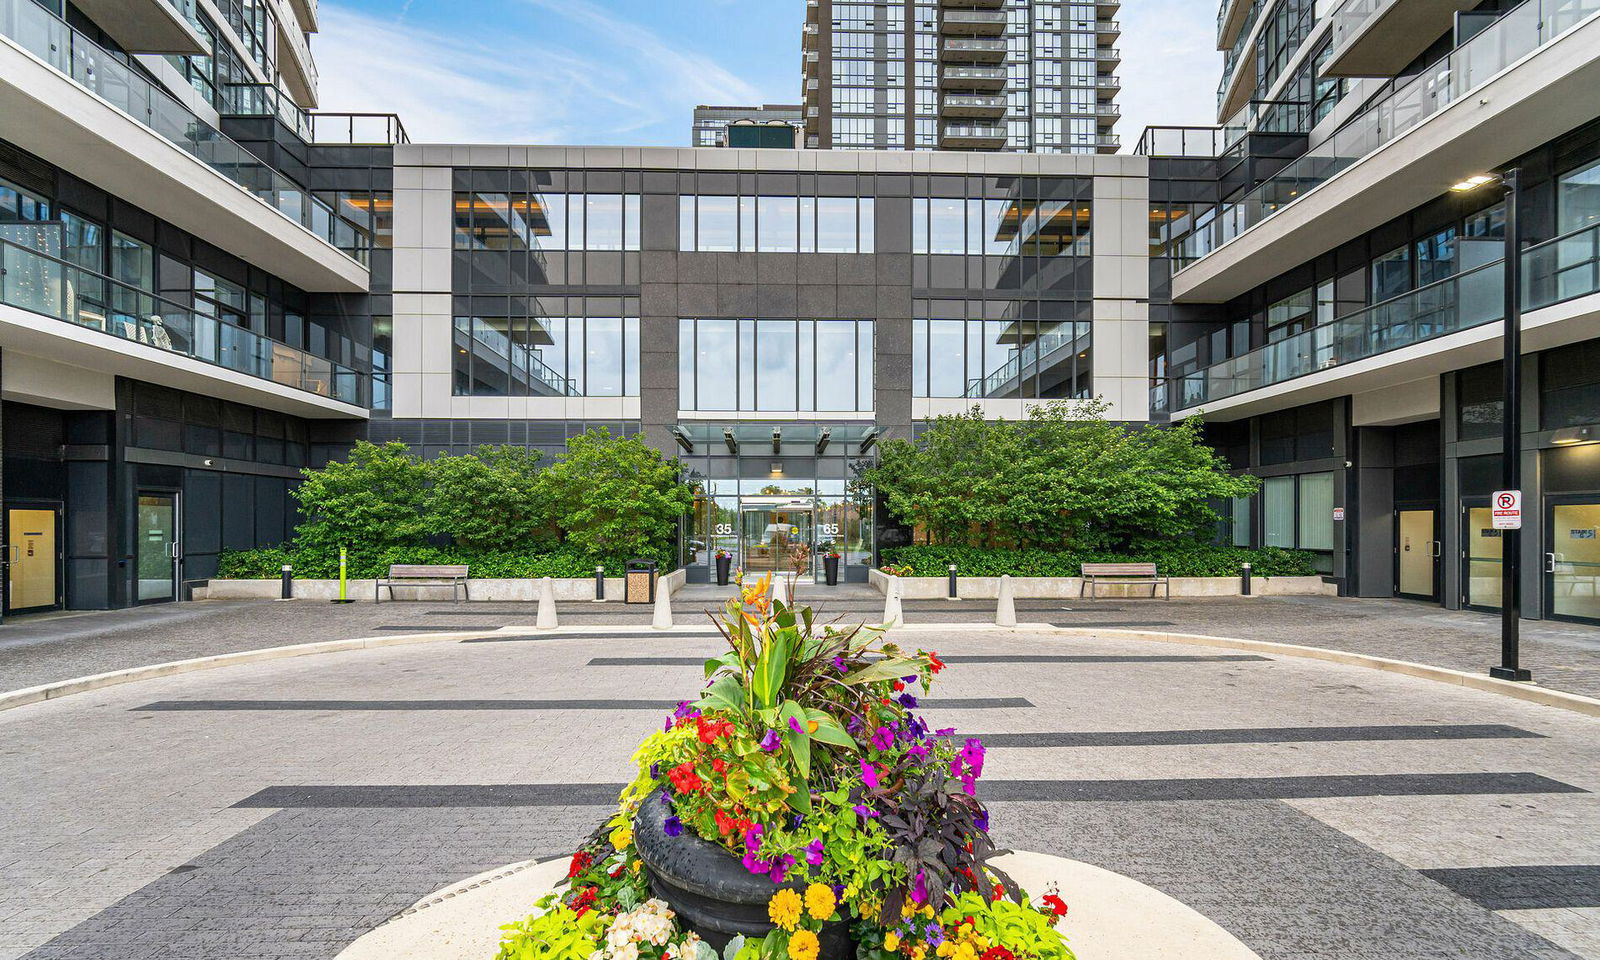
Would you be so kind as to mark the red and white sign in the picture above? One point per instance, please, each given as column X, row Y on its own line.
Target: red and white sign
column 1505, row 510
column 1338, row 513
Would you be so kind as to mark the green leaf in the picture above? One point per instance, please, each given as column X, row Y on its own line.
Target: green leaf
column 887, row 669
column 729, row 660
column 829, row 731
column 733, row 947
column 772, row 666
column 799, row 742
column 726, row 694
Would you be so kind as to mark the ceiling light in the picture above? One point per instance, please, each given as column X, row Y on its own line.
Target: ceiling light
column 1474, row 182
column 1572, row 436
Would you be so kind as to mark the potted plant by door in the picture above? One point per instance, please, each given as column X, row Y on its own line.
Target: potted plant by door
column 724, row 567
column 830, row 566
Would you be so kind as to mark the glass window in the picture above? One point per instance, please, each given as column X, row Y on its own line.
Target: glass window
column 1063, row 229
column 17, row 203
column 947, row 229
column 867, row 226
column 836, row 225
column 747, row 224
column 603, row 356
column 836, row 366
column 1391, row 274
column 603, row 221
column 547, row 213
column 775, row 367
column 718, row 221
column 82, row 242
column 1577, row 198
column 1241, row 521
column 1436, row 257
column 778, row 224
column 1569, row 386
column 132, row 262
column 717, row 352
column 1316, row 511
column 947, row 373
column 1277, row 512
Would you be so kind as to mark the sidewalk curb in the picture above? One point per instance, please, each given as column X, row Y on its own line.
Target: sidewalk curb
column 1543, row 696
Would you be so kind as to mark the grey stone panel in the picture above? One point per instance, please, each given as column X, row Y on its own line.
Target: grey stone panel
column 817, row 300
column 658, row 223
column 819, row 268
column 860, row 270
column 735, row 268
column 737, row 300
column 697, row 267
column 860, row 303
column 658, row 267
column 777, row 268
column 776, row 300
column 698, row 300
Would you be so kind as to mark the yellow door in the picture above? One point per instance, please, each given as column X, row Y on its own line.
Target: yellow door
column 1416, row 553
column 1484, row 549
column 1575, row 566
column 32, row 571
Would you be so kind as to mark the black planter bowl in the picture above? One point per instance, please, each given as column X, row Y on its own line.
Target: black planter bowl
column 712, row 892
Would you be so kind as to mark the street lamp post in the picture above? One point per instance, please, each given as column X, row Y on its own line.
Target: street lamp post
column 1511, row 447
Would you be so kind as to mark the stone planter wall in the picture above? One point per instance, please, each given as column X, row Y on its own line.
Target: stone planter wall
column 1065, row 588
column 525, row 590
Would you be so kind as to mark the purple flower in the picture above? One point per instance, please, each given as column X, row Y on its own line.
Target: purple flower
column 781, row 868
column 771, row 741
column 814, row 853
column 882, row 739
column 981, row 821
column 945, row 732
column 796, row 821
column 864, row 811
column 911, row 679
column 672, row 826
column 907, row 700
column 918, row 750
column 667, row 727
column 755, row 864
column 655, row 771
column 854, row 725
column 685, row 711
column 838, row 664
column 869, row 775
column 752, row 837
column 973, row 754
column 795, row 725
column 934, row 934
column 919, row 890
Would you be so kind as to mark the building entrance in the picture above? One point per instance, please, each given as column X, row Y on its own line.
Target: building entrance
column 1572, row 560
column 32, row 559
column 778, row 536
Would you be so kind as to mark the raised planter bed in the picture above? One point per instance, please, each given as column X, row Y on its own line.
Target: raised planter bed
column 1069, row 588
column 521, row 589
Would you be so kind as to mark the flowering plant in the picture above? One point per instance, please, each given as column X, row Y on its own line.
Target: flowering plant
column 896, row 570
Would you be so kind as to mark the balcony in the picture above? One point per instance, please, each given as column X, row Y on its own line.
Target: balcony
column 808, row 36
column 1107, row 55
column 96, row 323
column 306, row 12
column 148, row 26
column 972, row 105
column 298, row 68
column 1520, row 83
column 69, row 101
column 1108, row 83
column 1379, row 38
column 1231, row 16
column 972, row 136
column 953, row 50
column 969, row 4
column 1108, row 28
column 972, row 78
column 1555, row 272
column 982, row 23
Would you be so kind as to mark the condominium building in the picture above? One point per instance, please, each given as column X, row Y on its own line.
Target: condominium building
column 1030, row 76
column 1328, row 286
column 711, row 125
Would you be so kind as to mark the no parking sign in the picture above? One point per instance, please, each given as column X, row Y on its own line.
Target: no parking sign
column 1505, row 510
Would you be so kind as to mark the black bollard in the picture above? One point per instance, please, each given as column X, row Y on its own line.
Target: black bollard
column 1244, row 580
column 599, row 583
column 288, row 582
column 952, row 582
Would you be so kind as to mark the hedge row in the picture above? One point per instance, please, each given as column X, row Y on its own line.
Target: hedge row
column 318, row 564
column 1197, row 560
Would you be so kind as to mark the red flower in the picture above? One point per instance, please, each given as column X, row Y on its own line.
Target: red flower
column 710, row 730
column 997, row 953
column 898, row 686
column 684, row 779
column 725, row 823
column 1057, row 905
column 719, row 766
column 935, row 662
column 580, row 860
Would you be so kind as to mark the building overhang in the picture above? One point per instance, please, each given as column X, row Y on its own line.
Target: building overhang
column 1553, row 326
column 1391, row 37
column 1546, row 94
column 86, row 357
column 145, row 26
column 50, row 115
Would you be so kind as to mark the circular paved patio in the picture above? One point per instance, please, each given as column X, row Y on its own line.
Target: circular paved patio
column 282, row 809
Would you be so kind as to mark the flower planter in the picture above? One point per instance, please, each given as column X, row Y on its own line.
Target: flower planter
column 712, row 892
column 724, row 569
column 830, row 567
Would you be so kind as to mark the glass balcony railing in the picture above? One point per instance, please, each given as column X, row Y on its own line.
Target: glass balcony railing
column 91, row 66
column 49, row 286
column 1555, row 271
column 1525, row 29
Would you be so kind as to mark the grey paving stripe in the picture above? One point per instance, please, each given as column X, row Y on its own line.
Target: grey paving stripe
column 558, row 635
column 1275, row 788
column 434, row 795
column 1168, row 738
column 218, row 706
column 974, row 658
column 1058, row 622
column 1524, row 888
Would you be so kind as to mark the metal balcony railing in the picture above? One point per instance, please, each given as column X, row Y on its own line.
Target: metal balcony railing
column 984, row 78
column 988, row 22
column 1554, row 271
column 331, row 129
column 49, row 286
column 1515, row 35
column 92, row 67
column 973, row 49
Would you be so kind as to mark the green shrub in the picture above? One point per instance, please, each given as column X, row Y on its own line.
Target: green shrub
column 260, row 563
column 1179, row 559
column 322, row 563
column 374, row 498
column 489, row 500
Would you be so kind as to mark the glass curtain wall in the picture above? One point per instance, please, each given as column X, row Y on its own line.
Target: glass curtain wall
column 775, row 366
column 734, row 224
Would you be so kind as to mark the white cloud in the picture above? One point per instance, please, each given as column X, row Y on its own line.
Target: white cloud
column 1170, row 66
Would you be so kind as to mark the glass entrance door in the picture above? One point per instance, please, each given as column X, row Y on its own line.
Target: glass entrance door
column 1417, row 554
column 778, row 538
column 1481, row 558
column 31, row 563
column 157, row 548
column 1572, row 561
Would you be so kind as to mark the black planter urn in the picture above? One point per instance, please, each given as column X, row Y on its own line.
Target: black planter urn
column 830, row 567
column 711, row 891
column 724, row 568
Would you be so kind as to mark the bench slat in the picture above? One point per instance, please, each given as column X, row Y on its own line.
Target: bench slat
column 1118, row 569
column 427, row 570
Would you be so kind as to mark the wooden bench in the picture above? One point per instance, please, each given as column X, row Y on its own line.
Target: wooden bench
column 1096, row 573
column 450, row 575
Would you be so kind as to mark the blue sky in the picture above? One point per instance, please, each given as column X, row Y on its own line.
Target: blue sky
column 631, row 71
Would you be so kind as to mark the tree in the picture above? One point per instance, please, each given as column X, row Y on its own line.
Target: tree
column 489, row 500
column 1063, row 477
column 372, row 500
column 615, row 497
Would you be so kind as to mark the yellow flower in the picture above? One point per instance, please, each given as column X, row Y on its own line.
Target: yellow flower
column 820, row 901
column 803, row 945
column 784, row 909
column 621, row 837
column 636, row 865
column 891, row 941
column 919, row 953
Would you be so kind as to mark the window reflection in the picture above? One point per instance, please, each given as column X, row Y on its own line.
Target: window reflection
column 713, row 224
column 546, row 356
column 546, row 221
column 998, row 227
column 1001, row 359
column 775, row 366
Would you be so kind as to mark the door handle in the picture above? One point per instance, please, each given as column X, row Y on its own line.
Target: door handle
column 1435, row 549
column 1549, row 563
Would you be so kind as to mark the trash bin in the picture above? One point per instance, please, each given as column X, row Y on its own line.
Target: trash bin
column 639, row 584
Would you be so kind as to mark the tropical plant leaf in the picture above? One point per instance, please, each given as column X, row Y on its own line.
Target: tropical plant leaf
column 729, row 660
column 772, row 666
column 727, row 693
column 886, row 669
column 829, row 731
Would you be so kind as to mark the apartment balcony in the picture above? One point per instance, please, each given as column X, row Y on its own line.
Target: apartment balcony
column 1520, row 83
column 955, row 50
column 92, row 329
column 972, row 136
column 306, row 12
column 972, row 105
column 1107, row 55
column 1443, row 326
column 1107, row 110
column 980, row 23
column 1108, row 83
column 148, row 26
column 808, row 36
column 72, row 103
column 296, row 64
column 1108, row 28
column 1231, row 17
column 972, row 78
column 1379, row 38
column 972, row 4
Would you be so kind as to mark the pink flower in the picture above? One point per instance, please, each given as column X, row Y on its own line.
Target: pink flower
column 814, row 853
column 869, row 775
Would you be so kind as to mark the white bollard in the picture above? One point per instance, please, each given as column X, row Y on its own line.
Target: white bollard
column 663, row 614
column 547, row 604
column 780, row 591
column 892, row 616
column 1005, row 610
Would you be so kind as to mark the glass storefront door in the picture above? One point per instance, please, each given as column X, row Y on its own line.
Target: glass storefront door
column 32, row 562
column 157, row 548
column 1572, row 561
column 778, row 537
column 1417, row 554
column 1481, row 558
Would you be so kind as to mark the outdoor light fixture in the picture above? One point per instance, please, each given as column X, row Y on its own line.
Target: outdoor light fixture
column 822, row 441
column 777, row 467
column 727, row 438
column 777, row 441
column 1474, row 182
column 683, row 440
column 868, row 440
column 1573, row 436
